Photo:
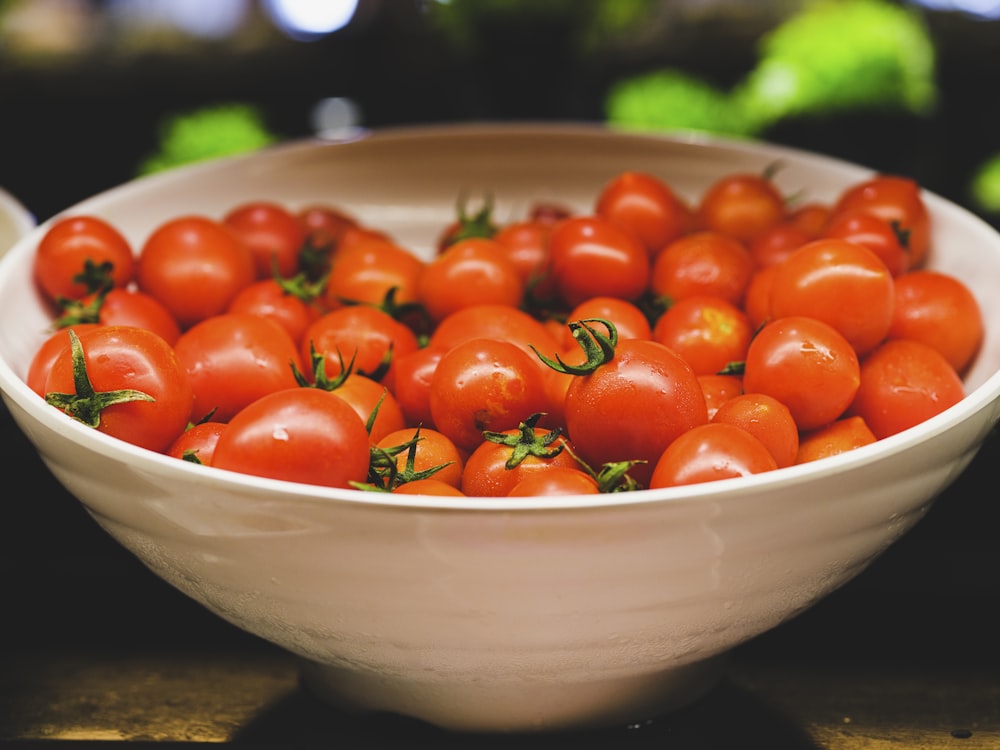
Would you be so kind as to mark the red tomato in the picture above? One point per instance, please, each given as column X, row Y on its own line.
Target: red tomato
column 741, row 205
column 527, row 244
column 197, row 443
column 117, row 359
column 718, row 389
column 194, row 266
column 233, row 359
column 557, row 480
column 941, row 311
column 474, row 271
column 646, row 206
column 46, row 354
column 710, row 333
column 411, row 383
column 78, row 255
column 897, row 200
column 419, row 450
column 495, row 322
column 841, row 283
column 767, row 419
column 494, row 468
column 811, row 217
column 366, row 271
column 710, row 452
column 702, row 263
column 484, row 384
column 777, row 242
column 627, row 317
column 286, row 302
column 297, row 434
column 904, row 383
column 122, row 307
column 805, row 364
column 274, row 235
column 837, row 437
column 373, row 402
column 757, row 299
column 431, row 487
column 591, row 257
column 324, row 224
column 873, row 232
column 632, row 406
column 367, row 336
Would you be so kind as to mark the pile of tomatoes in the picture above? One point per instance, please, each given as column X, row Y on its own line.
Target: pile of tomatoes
column 650, row 341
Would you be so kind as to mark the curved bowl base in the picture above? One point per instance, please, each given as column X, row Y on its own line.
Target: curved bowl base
column 526, row 705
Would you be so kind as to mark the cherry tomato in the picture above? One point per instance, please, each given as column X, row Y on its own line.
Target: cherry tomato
column 122, row 307
column 195, row 266
column 741, row 205
column 274, row 235
column 297, row 434
column 496, row 322
column 837, row 437
column 702, row 263
column 411, row 383
column 632, row 406
column 811, row 217
column 474, row 271
column 777, row 242
column 366, row 336
column 757, row 299
column 366, row 271
column 497, row 465
column 78, row 255
column 627, row 317
column 899, row 201
column 767, row 419
column 373, row 403
column 718, row 389
column 710, row 333
column 841, row 283
column 527, row 244
column 710, row 452
column 904, row 383
column 154, row 394
column 325, row 224
column 805, row 364
column 646, row 206
column 941, row 311
column 197, row 443
column 484, row 384
column 557, row 480
column 233, row 359
column 431, row 487
column 46, row 354
column 873, row 232
column 591, row 257
column 287, row 302
column 431, row 451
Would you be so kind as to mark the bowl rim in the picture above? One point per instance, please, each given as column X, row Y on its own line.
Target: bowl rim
column 20, row 218
column 15, row 391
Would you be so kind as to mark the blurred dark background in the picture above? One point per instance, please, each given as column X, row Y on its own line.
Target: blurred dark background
column 88, row 90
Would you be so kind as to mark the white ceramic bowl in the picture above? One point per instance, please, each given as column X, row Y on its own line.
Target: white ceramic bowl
column 15, row 220
column 511, row 614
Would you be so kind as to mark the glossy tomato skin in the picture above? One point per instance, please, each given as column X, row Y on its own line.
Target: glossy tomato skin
column 841, row 283
column 411, row 383
column 702, row 263
column 896, row 199
column 486, row 473
column 718, row 389
column 646, row 206
column 805, row 364
column 274, row 235
column 873, row 232
column 591, row 257
column 429, row 487
column 709, row 332
column 484, row 384
column 197, row 443
column 47, row 352
column 628, row 318
column 267, row 298
column 741, row 205
column 233, row 359
column 633, row 406
column 194, row 265
column 367, row 270
column 68, row 245
column 124, row 357
column 433, row 450
column 767, row 419
column 495, row 321
column 306, row 435
column 366, row 396
column 941, row 311
column 527, row 244
column 557, row 480
column 133, row 307
column 904, row 383
column 840, row 436
column 472, row 271
column 711, row 452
